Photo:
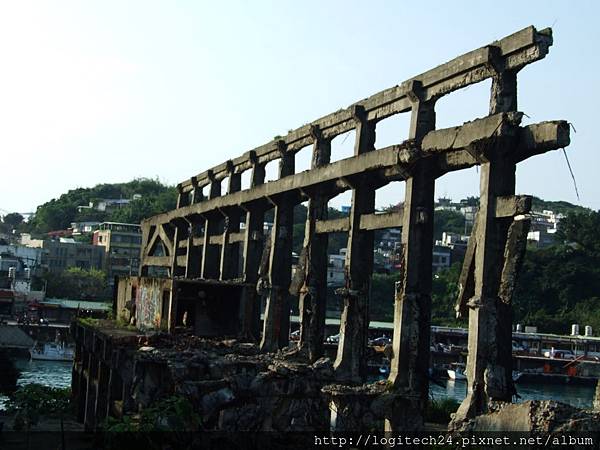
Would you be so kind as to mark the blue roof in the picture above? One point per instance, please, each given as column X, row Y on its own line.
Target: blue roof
column 77, row 304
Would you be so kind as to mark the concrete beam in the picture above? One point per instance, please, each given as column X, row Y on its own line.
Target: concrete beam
column 160, row 261
column 340, row 225
column 533, row 139
column 511, row 53
column 380, row 221
column 513, row 205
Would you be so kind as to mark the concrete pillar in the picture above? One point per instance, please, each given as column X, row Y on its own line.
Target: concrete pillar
column 230, row 251
column 193, row 256
column 276, row 327
column 89, row 420
column 252, row 252
column 313, row 293
column 196, row 195
column 412, row 306
column 181, row 234
column 102, row 392
column 212, row 227
column 489, row 362
column 350, row 363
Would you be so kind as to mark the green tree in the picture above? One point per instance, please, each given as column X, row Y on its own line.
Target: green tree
column 446, row 220
column 559, row 285
column 13, row 220
column 76, row 283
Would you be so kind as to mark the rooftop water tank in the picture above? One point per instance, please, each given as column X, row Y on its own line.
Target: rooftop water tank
column 575, row 330
column 588, row 331
column 519, row 328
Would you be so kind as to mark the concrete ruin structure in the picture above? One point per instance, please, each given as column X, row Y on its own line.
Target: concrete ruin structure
column 209, row 263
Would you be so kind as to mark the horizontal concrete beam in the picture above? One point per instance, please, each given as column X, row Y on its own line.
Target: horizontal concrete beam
column 464, row 136
column 163, row 261
column 394, row 162
column 233, row 238
column 404, row 154
column 513, row 205
column 531, row 140
column 341, row 225
column 542, row 137
column 381, row 221
column 510, row 53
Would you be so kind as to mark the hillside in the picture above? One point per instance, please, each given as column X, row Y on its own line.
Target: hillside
column 58, row 214
column 559, row 206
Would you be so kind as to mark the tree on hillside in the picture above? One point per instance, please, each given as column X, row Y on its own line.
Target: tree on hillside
column 13, row 220
column 581, row 229
column 450, row 221
column 79, row 284
column 560, row 285
column 60, row 213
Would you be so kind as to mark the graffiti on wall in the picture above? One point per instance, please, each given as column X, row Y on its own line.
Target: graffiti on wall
column 149, row 304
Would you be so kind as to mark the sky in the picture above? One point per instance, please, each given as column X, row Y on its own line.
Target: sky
column 107, row 91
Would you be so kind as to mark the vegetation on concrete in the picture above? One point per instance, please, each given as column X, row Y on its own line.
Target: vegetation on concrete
column 441, row 410
column 33, row 401
column 174, row 415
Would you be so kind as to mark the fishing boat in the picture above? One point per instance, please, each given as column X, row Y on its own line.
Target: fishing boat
column 52, row 351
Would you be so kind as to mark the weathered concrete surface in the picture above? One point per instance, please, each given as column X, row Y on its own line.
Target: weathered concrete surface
column 536, row 417
column 412, row 306
column 313, row 292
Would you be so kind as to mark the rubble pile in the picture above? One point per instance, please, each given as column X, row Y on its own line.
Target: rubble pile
column 541, row 417
column 231, row 384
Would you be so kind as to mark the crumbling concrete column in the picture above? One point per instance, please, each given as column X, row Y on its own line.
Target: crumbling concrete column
column 276, row 328
column 489, row 362
column 350, row 363
column 313, row 292
column 212, row 227
column 412, row 306
column 230, row 251
column 253, row 247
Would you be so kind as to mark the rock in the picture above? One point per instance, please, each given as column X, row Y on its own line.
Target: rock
column 215, row 401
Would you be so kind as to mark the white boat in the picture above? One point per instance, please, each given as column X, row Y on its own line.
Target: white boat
column 456, row 372
column 516, row 375
column 52, row 351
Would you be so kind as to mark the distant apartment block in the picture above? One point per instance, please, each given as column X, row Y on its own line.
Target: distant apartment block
column 108, row 204
column 543, row 228
column 21, row 259
column 61, row 254
column 78, row 228
column 122, row 242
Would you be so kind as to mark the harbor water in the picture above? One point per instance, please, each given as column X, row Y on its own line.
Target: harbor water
column 58, row 374
column 576, row 395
